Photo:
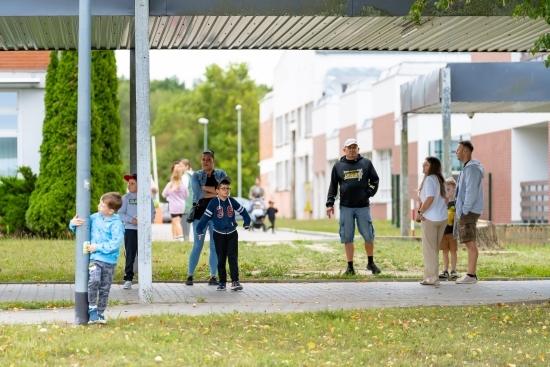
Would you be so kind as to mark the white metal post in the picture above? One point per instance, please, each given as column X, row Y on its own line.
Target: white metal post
column 445, row 90
column 143, row 148
column 239, row 162
column 155, row 171
column 83, row 157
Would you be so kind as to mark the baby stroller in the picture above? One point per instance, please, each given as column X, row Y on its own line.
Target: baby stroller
column 257, row 216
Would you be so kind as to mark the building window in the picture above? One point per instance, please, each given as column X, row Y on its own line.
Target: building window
column 306, row 166
column 280, row 176
column 383, row 168
column 279, row 131
column 287, row 175
column 436, row 150
column 8, row 100
column 8, row 156
column 286, row 130
column 299, row 127
column 309, row 115
column 8, row 133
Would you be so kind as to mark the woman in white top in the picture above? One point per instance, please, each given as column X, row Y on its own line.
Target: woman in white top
column 433, row 216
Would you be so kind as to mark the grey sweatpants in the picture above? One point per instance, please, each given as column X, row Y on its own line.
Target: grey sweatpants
column 99, row 283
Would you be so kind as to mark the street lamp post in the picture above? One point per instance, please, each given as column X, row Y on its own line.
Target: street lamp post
column 204, row 121
column 239, row 163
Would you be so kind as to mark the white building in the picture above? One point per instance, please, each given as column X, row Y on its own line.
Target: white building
column 22, row 83
column 320, row 99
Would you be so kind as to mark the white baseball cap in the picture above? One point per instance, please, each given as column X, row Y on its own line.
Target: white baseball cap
column 350, row 142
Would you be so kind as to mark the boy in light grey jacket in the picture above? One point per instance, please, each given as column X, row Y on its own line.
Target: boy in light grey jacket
column 128, row 215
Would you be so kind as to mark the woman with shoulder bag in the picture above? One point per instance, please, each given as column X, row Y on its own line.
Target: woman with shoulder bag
column 433, row 216
column 203, row 183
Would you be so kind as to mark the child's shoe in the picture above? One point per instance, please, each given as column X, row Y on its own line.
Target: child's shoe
column 127, row 284
column 221, row 287
column 454, row 275
column 94, row 318
column 444, row 275
column 101, row 318
column 236, row 286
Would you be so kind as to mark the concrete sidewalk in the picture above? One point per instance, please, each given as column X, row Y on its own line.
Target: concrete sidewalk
column 200, row 299
column 163, row 232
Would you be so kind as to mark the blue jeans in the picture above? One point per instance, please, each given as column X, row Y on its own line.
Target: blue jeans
column 347, row 224
column 197, row 249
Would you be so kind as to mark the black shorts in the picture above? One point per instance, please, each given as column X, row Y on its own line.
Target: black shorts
column 176, row 215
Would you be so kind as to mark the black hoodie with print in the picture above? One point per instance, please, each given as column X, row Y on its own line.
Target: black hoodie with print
column 358, row 182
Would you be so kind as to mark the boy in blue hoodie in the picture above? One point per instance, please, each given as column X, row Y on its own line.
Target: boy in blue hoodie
column 221, row 210
column 106, row 234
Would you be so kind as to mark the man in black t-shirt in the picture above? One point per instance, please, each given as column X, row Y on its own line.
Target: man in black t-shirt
column 358, row 182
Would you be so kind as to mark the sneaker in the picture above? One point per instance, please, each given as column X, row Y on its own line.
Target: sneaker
column 236, row 286
column 127, row 284
column 221, row 287
column 189, row 280
column 454, row 275
column 372, row 267
column 466, row 279
column 213, row 281
column 101, row 319
column 94, row 318
column 349, row 271
column 444, row 275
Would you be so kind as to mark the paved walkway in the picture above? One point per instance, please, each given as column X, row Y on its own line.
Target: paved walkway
column 202, row 299
column 163, row 232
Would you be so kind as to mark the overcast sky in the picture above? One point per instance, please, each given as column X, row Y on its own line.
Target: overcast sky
column 189, row 65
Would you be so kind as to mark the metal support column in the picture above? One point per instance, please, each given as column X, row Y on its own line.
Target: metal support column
column 445, row 90
column 239, row 161
column 133, row 153
column 83, row 157
column 143, row 150
column 405, row 213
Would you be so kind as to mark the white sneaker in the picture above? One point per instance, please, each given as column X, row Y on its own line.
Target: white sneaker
column 466, row 279
column 127, row 284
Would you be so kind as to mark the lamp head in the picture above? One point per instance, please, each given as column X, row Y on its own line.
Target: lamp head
column 238, row 107
column 470, row 115
column 202, row 120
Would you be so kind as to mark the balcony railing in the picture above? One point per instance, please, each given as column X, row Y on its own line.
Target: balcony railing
column 534, row 202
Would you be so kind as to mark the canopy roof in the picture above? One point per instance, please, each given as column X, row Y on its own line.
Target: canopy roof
column 482, row 88
column 265, row 24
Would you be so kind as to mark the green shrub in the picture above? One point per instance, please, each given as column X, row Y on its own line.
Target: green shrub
column 15, row 193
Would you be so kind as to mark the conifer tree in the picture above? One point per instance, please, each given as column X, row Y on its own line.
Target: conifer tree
column 52, row 204
column 105, row 100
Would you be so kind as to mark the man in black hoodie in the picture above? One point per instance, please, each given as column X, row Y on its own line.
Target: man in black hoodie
column 358, row 182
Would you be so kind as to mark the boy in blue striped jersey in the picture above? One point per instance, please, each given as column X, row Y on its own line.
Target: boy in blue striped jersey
column 221, row 211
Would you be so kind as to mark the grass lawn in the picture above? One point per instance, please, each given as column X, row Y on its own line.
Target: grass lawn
column 53, row 260
column 428, row 336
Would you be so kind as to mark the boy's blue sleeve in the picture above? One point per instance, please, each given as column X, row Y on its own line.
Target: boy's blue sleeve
column 242, row 211
column 201, row 227
column 92, row 217
column 113, row 243
column 71, row 227
column 153, row 211
column 123, row 209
